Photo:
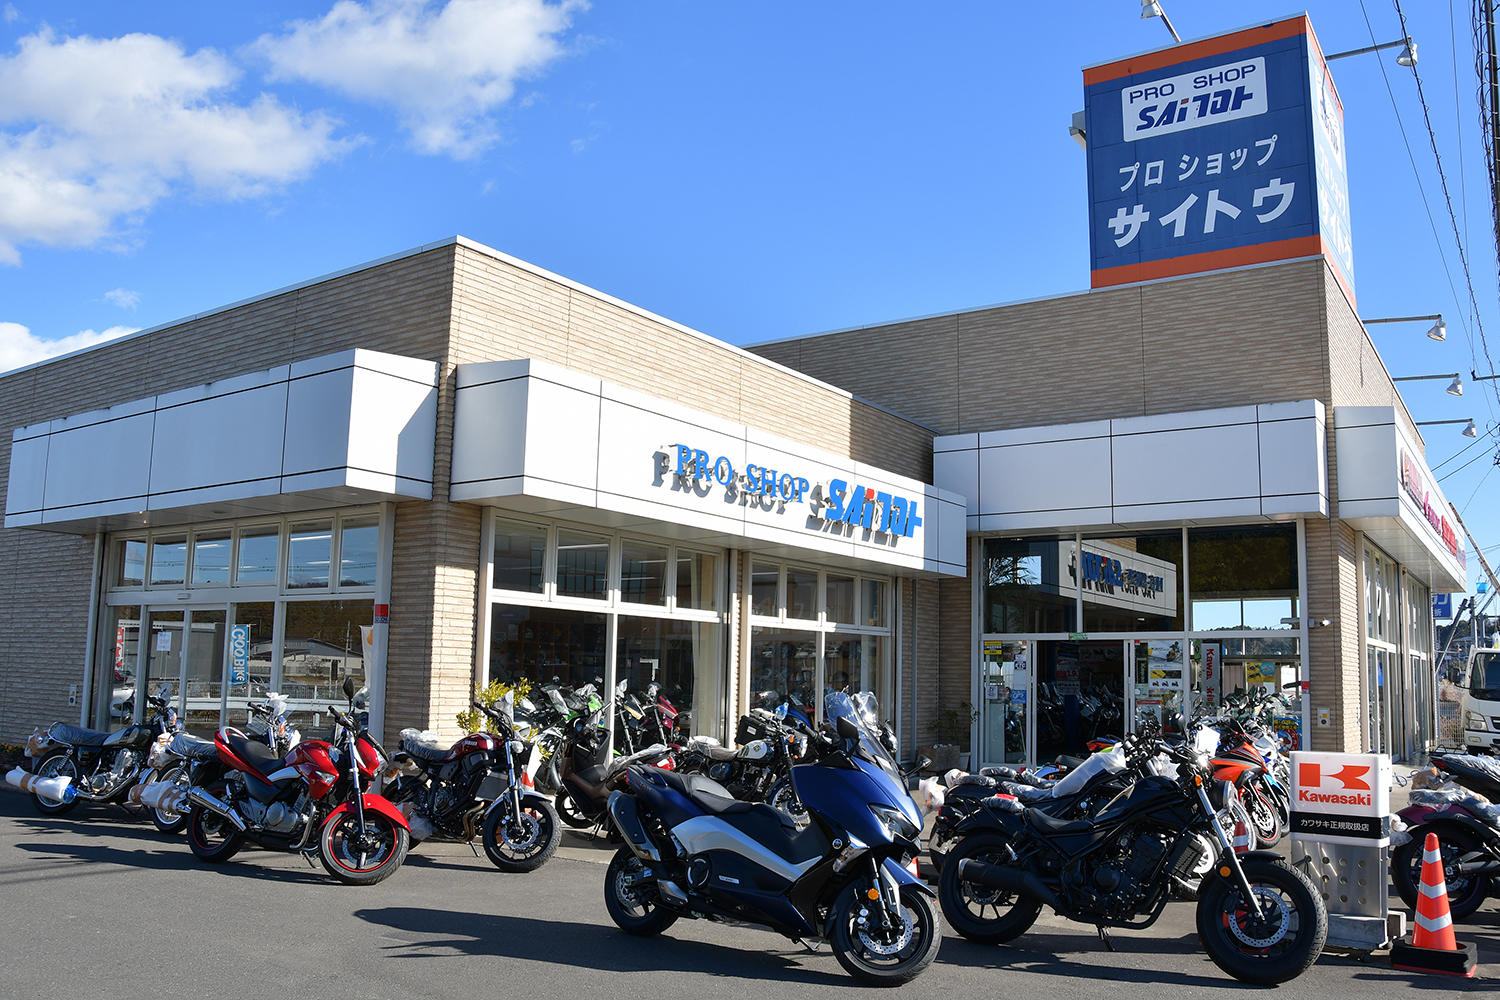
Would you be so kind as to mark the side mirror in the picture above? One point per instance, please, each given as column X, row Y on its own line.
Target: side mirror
column 349, row 687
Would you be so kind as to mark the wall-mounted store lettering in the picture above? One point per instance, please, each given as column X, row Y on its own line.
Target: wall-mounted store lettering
column 834, row 502
column 1415, row 485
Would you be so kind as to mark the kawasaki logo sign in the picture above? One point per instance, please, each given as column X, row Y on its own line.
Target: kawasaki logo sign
column 1340, row 796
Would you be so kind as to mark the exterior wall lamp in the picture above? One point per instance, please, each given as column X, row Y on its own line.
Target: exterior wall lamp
column 1438, row 331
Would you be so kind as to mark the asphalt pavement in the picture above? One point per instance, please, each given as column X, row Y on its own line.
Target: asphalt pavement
column 98, row 904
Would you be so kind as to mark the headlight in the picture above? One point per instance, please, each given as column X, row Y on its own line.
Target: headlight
column 897, row 825
column 1473, row 720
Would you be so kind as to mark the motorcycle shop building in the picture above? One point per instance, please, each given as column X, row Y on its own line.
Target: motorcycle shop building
column 1021, row 525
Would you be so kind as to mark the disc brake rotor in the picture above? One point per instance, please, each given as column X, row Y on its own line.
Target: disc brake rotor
column 1262, row 933
column 900, row 939
column 520, row 836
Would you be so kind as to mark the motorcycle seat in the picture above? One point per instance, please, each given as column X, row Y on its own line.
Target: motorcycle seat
column 1050, row 826
column 257, row 755
column 78, row 736
column 718, row 753
column 706, row 793
column 1026, row 793
column 191, row 747
column 422, row 750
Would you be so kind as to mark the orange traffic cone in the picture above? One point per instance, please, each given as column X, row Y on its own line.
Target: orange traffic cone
column 1241, row 837
column 1431, row 946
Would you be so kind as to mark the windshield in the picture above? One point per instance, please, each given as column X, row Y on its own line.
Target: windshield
column 1484, row 677
column 863, row 714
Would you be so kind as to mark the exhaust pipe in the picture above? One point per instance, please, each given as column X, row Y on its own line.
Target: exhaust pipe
column 60, row 788
column 1007, row 879
column 214, row 804
column 165, row 795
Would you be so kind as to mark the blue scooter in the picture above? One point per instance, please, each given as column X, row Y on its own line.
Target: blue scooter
column 694, row 851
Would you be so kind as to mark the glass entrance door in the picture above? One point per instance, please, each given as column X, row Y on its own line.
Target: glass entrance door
column 1004, row 701
column 1080, row 695
column 185, row 651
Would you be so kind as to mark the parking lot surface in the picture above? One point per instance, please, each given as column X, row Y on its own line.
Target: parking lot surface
column 98, row 904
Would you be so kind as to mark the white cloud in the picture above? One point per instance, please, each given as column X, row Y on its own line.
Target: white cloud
column 20, row 347
column 93, row 132
column 9, row 14
column 122, row 297
column 442, row 68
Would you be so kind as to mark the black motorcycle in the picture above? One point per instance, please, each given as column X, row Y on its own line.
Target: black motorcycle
column 476, row 786
column 588, row 768
column 1259, row 919
column 96, row 766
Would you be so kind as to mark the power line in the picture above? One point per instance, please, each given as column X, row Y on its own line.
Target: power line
column 1463, row 258
column 1463, row 467
column 1477, row 487
column 1458, row 120
column 1478, row 440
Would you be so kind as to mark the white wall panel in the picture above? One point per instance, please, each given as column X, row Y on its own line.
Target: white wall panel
column 206, row 441
column 1215, row 462
column 100, row 462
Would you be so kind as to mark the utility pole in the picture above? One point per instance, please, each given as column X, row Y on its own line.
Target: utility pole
column 1492, row 82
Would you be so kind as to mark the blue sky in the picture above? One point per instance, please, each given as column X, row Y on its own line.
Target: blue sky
column 754, row 170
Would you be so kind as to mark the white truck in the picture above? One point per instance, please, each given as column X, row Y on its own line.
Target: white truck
column 1481, row 702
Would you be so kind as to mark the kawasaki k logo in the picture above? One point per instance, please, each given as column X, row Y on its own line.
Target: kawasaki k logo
column 1350, row 776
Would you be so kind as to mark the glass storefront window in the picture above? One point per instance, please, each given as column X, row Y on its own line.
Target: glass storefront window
column 872, row 601
column 1027, row 586
column 764, row 583
column 115, row 692
column 132, row 563
column 168, row 561
column 1243, row 577
column 358, row 549
column 695, row 581
column 839, row 591
column 309, row 553
column 203, row 689
column 680, row 657
column 643, row 572
column 801, row 593
column 519, row 553
column 322, row 643
column 582, row 564
column 545, row 644
column 163, row 658
column 855, row 663
column 256, row 561
column 1163, row 674
column 783, row 667
column 211, row 559
column 1080, row 694
column 1130, row 583
column 259, row 618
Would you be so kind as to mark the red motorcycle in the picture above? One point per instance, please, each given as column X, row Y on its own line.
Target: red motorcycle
column 313, row 802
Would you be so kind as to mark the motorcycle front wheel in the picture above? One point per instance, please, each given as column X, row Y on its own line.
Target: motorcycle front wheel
column 524, row 844
column 570, row 813
column 165, row 820
column 631, row 897
column 1279, row 945
column 885, row 956
column 59, row 765
column 1264, row 820
column 783, row 798
column 978, row 912
column 365, row 855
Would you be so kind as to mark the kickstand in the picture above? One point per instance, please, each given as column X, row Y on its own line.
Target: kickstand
column 309, row 859
column 1104, row 938
column 473, row 848
column 812, row 946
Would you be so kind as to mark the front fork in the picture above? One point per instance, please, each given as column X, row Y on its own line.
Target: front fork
column 889, row 893
column 1226, row 846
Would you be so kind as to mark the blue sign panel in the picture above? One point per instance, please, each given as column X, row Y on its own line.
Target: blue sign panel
column 239, row 654
column 1214, row 154
column 1442, row 607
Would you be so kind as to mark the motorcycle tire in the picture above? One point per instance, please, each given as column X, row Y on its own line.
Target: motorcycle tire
column 166, row 821
column 1296, row 923
column 631, row 898
column 211, row 837
column 1465, row 895
column 865, row 959
column 979, row 913
column 1265, row 823
column 783, row 798
column 570, row 813
column 342, row 848
column 55, row 766
column 538, row 841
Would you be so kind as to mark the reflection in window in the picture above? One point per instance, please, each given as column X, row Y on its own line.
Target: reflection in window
column 801, row 593
column 695, row 581
column 256, row 562
column 855, row 663
column 783, row 665
column 519, row 552
column 680, row 658
column 132, row 571
column 211, row 560
column 643, row 572
column 1243, row 577
column 358, row 544
column 168, row 561
column 764, row 580
column 1131, row 583
column 1027, row 586
column 582, row 564
column 323, row 643
column 543, row 644
column 874, row 602
column 309, row 552
column 840, row 597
